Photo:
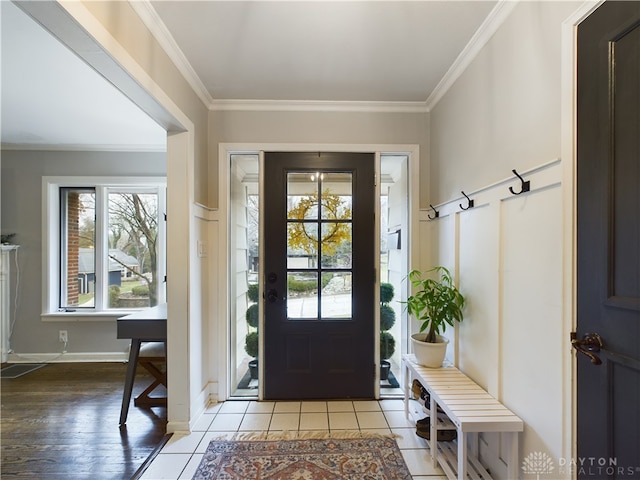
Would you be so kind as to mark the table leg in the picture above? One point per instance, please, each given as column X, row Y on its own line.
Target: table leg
column 128, row 383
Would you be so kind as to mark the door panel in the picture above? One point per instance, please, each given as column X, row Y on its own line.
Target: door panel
column 608, row 269
column 319, row 263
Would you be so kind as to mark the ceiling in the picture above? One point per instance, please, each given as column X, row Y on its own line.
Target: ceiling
column 394, row 52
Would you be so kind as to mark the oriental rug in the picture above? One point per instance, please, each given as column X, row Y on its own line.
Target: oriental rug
column 312, row 459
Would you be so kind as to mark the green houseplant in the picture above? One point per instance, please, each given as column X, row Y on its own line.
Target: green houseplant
column 435, row 303
column 251, row 340
column 387, row 320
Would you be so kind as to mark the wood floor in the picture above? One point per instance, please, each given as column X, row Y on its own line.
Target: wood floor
column 61, row 422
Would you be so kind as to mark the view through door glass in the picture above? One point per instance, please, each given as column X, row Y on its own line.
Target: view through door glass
column 319, row 275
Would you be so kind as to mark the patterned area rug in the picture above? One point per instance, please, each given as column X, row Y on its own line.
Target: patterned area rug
column 325, row 459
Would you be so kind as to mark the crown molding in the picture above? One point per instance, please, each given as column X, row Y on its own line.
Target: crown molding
column 83, row 148
column 494, row 20
column 318, row 106
column 161, row 33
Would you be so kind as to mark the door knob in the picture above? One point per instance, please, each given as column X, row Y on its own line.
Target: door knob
column 590, row 343
column 272, row 295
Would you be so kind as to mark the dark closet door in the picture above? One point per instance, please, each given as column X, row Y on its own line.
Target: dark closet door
column 608, row 269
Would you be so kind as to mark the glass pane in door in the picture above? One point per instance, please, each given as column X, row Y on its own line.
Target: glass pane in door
column 319, row 251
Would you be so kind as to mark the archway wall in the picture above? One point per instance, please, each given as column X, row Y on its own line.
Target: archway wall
column 112, row 38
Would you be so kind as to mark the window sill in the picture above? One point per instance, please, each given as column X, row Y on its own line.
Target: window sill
column 79, row 316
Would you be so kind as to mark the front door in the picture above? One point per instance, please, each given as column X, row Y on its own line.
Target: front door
column 319, row 275
column 608, row 269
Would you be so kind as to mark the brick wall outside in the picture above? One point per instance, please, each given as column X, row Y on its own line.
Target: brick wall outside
column 73, row 247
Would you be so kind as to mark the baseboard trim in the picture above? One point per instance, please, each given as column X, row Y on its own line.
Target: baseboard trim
column 83, row 357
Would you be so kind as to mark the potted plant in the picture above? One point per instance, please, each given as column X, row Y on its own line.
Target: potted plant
column 435, row 303
column 387, row 349
column 251, row 347
column 387, row 320
column 251, row 340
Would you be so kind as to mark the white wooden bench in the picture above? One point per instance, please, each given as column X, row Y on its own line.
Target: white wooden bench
column 471, row 410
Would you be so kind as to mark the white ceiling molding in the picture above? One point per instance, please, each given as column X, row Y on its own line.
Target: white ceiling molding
column 318, row 106
column 491, row 24
column 161, row 33
column 83, row 148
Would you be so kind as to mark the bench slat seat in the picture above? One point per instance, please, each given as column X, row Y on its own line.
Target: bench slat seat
column 470, row 409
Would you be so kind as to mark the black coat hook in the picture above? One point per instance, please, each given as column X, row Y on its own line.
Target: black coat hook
column 469, row 203
column 526, row 186
column 436, row 213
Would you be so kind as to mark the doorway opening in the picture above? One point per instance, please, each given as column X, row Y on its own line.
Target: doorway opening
column 392, row 208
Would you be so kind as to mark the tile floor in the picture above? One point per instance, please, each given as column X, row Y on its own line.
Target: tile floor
column 182, row 454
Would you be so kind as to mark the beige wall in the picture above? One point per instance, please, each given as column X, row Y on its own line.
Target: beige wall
column 314, row 128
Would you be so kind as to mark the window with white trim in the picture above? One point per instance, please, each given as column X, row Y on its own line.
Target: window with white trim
column 107, row 244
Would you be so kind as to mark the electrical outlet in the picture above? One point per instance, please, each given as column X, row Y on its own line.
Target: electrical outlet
column 62, row 336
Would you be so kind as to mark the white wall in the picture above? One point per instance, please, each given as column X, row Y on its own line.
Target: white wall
column 504, row 113
column 21, row 177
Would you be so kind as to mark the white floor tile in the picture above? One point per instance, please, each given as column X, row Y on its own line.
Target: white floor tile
column 285, row 421
column 314, row 421
column 261, row 407
column 209, row 436
column 392, row 404
column 343, row 421
column 166, row 466
column 203, row 423
column 255, row 422
column 340, row 406
column 419, row 462
column 287, row 407
column 313, row 407
column 190, row 470
column 214, row 408
column 234, row 407
column 371, row 420
column 226, row 422
column 397, row 419
column 183, row 443
column 407, row 438
column 366, row 406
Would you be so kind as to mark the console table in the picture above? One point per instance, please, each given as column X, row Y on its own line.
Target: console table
column 470, row 409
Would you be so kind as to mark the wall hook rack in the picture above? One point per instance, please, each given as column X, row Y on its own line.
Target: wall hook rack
column 469, row 202
column 436, row 213
column 526, row 186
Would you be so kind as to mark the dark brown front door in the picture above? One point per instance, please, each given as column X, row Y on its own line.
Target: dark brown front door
column 608, row 269
column 319, row 275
